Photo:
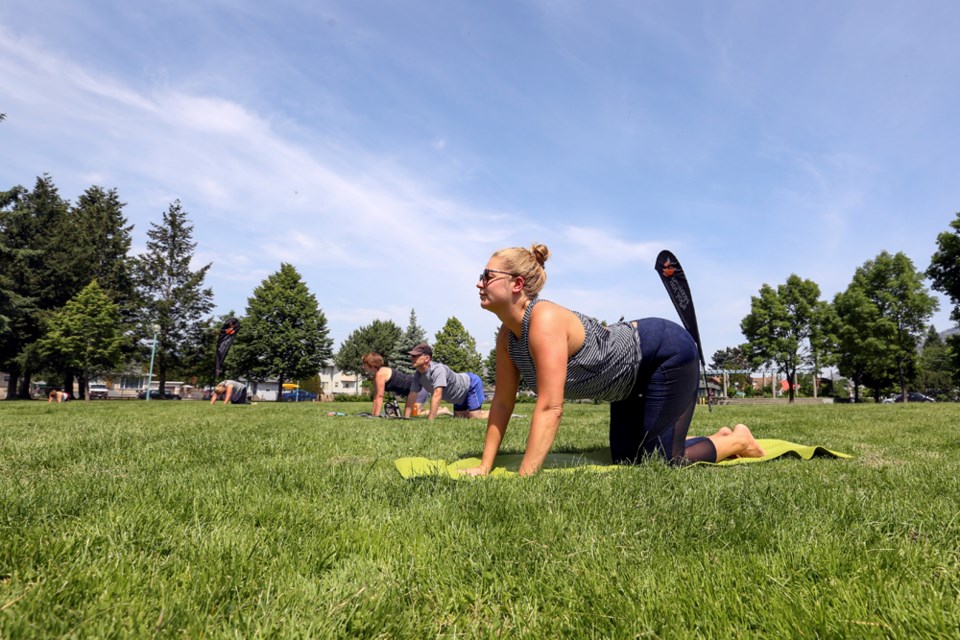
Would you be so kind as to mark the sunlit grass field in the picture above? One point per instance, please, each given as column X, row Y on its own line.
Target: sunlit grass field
column 180, row 519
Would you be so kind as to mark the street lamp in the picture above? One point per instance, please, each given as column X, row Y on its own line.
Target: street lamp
column 153, row 352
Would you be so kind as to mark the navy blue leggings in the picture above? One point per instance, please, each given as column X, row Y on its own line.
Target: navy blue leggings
column 655, row 417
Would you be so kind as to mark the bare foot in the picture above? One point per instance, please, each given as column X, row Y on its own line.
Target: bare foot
column 727, row 431
column 751, row 448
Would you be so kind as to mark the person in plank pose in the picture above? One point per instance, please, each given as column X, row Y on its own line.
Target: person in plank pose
column 230, row 391
column 463, row 390
column 387, row 379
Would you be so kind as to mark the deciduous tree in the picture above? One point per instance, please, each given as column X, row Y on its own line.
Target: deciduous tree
column 944, row 269
column 780, row 324
column 85, row 334
column 884, row 312
column 381, row 336
column 934, row 368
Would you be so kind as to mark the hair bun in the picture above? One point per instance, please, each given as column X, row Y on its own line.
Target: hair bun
column 540, row 253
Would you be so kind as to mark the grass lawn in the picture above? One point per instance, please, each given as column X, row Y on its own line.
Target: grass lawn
column 135, row 519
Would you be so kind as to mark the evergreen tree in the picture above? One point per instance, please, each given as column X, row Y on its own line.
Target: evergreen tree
column 413, row 335
column 93, row 242
column 85, row 334
column 380, row 336
column 284, row 335
column 98, row 241
column 456, row 348
column 490, row 364
column 781, row 323
column 10, row 253
column 174, row 300
column 30, row 253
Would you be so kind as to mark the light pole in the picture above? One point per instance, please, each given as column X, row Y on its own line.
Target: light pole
column 153, row 352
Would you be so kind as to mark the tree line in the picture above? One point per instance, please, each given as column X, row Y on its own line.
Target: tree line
column 875, row 332
column 75, row 305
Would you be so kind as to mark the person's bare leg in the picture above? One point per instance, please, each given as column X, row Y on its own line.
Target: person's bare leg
column 479, row 414
column 724, row 431
column 739, row 442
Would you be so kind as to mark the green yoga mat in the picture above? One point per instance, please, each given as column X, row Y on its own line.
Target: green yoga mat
column 599, row 460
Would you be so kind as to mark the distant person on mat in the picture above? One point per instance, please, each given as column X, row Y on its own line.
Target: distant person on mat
column 647, row 369
column 387, row 379
column 58, row 396
column 230, row 391
column 463, row 390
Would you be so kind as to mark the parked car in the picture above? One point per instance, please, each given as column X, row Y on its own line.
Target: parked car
column 914, row 396
column 298, row 395
column 98, row 392
column 156, row 395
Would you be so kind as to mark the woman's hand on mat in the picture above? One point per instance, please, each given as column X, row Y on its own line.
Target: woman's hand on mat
column 476, row 471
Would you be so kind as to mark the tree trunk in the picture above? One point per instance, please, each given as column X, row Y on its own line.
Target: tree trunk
column 68, row 384
column 23, row 390
column 12, row 384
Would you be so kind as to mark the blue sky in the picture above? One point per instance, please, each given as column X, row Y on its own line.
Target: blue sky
column 386, row 149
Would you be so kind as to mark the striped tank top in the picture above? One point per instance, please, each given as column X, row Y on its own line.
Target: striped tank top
column 604, row 368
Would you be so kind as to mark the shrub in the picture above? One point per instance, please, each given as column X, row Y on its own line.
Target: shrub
column 349, row 397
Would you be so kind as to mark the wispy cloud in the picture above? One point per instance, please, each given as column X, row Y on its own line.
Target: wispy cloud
column 387, row 152
column 609, row 248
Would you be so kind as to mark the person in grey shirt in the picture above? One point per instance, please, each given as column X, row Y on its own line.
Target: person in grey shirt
column 463, row 390
column 230, row 391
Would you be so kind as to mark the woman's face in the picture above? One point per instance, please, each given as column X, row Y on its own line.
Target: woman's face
column 495, row 284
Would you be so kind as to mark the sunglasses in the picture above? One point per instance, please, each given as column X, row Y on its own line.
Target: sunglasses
column 485, row 276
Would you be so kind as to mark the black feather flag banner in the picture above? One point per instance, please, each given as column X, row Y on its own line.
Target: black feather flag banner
column 675, row 281
column 228, row 333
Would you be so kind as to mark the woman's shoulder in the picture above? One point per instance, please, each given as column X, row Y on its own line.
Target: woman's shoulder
column 551, row 312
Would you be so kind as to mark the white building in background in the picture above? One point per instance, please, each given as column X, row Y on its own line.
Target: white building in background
column 332, row 382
